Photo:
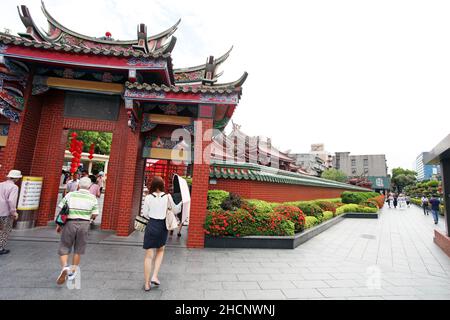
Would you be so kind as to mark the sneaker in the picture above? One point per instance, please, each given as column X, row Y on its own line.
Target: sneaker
column 4, row 251
column 63, row 275
column 72, row 275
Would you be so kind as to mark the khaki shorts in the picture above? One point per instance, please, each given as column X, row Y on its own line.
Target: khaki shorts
column 74, row 234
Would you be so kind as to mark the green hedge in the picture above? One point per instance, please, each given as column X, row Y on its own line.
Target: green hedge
column 357, row 197
column 310, row 222
column 257, row 206
column 215, row 198
column 327, row 215
column 355, row 208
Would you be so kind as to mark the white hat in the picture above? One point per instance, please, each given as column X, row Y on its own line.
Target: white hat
column 101, row 173
column 15, row 174
column 85, row 183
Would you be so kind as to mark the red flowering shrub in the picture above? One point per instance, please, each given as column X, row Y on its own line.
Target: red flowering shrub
column 327, row 205
column 242, row 223
column 293, row 214
column 379, row 200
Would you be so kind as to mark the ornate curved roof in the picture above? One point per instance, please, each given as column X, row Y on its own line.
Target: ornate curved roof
column 199, row 73
column 235, row 86
column 58, row 34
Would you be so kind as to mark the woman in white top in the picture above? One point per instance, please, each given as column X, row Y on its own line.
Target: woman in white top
column 155, row 209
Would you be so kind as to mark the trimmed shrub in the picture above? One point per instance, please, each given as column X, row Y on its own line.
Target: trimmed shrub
column 379, row 200
column 355, row 208
column 294, row 214
column 327, row 215
column 242, row 223
column 369, row 203
column 233, row 202
column 311, row 209
column 357, row 197
column 215, row 199
column 310, row 222
column 257, row 206
column 326, row 205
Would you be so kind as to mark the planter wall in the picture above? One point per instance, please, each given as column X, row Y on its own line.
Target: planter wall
column 275, row 242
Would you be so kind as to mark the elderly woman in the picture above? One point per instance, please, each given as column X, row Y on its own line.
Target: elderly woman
column 155, row 209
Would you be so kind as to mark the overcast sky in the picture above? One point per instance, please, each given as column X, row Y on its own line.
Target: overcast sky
column 367, row 77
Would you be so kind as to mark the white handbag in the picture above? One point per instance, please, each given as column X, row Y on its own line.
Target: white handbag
column 171, row 220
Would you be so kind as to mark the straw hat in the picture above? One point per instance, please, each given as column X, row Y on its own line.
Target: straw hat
column 14, row 174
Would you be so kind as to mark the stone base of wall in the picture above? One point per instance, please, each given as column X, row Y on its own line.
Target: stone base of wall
column 443, row 241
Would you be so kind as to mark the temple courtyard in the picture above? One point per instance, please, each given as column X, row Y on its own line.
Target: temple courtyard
column 393, row 257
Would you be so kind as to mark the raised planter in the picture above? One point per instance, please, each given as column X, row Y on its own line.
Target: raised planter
column 281, row 242
column 360, row 215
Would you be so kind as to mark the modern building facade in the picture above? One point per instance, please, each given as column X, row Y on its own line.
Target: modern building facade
column 426, row 171
column 372, row 167
column 361, row 165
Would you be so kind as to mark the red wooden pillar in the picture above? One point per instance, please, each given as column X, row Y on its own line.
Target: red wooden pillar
column 200, row 183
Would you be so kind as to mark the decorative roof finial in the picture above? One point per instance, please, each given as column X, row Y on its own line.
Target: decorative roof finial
column 108, row 34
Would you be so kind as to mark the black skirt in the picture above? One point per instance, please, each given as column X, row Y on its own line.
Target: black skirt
column 156, row 234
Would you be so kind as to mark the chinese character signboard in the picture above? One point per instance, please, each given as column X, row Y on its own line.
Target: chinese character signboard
column 30, row 193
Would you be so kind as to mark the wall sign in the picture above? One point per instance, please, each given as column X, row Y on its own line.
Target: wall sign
column 30, row 193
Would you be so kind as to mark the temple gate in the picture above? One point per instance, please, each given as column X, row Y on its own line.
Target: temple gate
column 51, row 82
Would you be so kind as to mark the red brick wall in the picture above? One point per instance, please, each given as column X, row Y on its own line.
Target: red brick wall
column 274, row 192
column 200, row 180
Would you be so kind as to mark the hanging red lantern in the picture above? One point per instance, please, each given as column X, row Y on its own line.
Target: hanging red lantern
column 74, row 134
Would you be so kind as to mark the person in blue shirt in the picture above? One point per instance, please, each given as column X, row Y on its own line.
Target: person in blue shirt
column 435, row 203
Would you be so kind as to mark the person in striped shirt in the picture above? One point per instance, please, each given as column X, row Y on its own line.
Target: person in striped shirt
column 83, row 209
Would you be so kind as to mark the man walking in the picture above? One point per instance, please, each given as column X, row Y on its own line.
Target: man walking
column 435, row 203
column 83, row 209
column 425, row 205
column 72, row 185
column 8, row 207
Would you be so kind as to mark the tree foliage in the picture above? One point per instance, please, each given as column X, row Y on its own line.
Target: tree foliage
column 402, row 178
column 335, row 175
column 102, row 141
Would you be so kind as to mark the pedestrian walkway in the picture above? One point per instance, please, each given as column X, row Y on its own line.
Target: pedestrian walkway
column 393, row 257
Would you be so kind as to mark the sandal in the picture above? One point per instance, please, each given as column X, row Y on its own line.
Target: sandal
column 156, row 283
column 147, row 290
column 179, row 234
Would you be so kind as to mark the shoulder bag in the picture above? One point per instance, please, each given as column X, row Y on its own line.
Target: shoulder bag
column 61, row 218
column 171, row 220
column 140, row 223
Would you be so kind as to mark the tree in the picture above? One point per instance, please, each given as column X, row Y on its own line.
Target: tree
column 102, row 141
column 402, row 178
column 335, row 175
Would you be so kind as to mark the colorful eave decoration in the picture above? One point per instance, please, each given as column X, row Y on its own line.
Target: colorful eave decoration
column 71, row 53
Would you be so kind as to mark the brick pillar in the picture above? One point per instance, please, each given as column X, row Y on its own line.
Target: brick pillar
column 128, row 187
column 200, row 183
column 49, row 154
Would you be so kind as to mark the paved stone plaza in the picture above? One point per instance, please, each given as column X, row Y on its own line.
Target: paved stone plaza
column 390, row 258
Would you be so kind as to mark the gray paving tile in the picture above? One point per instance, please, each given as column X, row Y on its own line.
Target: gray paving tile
column 302, row 284
column 240, row 285
column 302, row 293
column 274, row 284
column 224, row 295
column 253, row 277
column 265, row 295
column 338, row 292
